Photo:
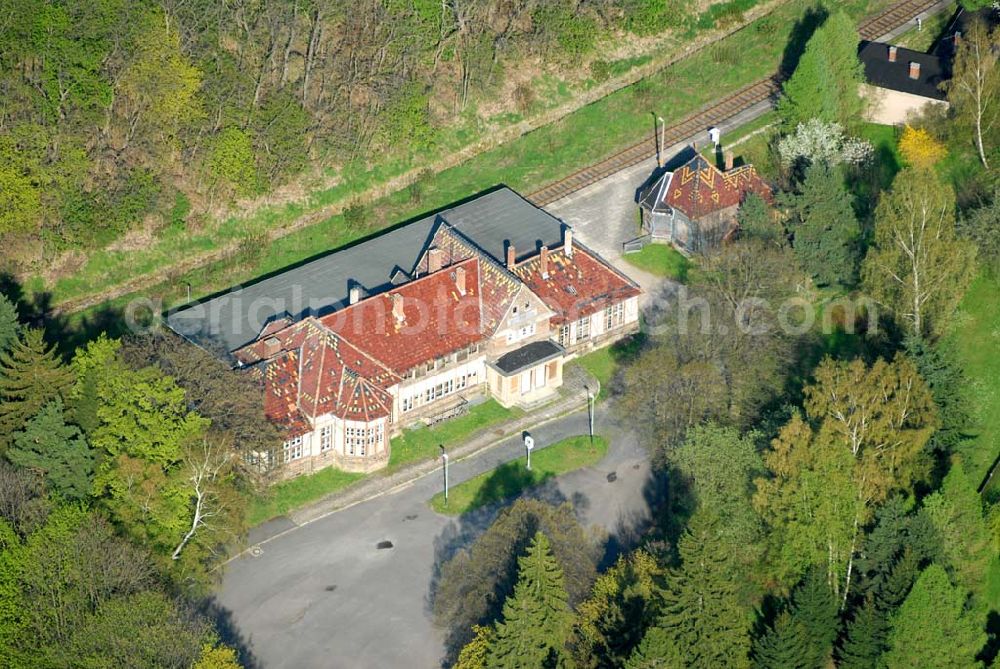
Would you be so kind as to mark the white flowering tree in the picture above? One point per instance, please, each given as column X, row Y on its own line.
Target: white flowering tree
column 822, row 141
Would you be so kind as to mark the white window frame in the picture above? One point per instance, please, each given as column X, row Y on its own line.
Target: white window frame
column 325, row 438
column 292, row 449
column 583, row 328
column 564, row 335
column 614, row 316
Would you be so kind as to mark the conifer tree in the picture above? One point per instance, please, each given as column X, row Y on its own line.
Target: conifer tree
column 825, row 84
column 475, row 654
column 865, row 640
column 536, row 617
column 784, row 646
column 946, row 380
column 10, row 328
column 58, row 450
column 824, row 225
column 815, row 607
column 956, row 512
column 30, row 377
column 702, row 616
column 932, row 628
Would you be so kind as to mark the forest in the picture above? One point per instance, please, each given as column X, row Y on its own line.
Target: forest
column 119, row 115
column 827, row 495
column 826, row 500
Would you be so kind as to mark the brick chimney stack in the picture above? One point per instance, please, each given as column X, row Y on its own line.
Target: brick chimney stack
column 543, row 262
column 914, row 70
column 568, row 242
column 435, row 259
column 892, row 53
column 511, row 255
column 397, row 308
column 730, row 159
column 460, row 280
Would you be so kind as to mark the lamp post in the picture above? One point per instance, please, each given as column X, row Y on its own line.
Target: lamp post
column 529, row 443
column 660, row 147
column 444, row 459
column 590, row 412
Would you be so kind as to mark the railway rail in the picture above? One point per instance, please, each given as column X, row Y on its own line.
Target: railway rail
column 768, row 88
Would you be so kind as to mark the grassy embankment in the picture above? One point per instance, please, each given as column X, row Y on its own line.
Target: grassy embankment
column 530, row 161
column 512, row 478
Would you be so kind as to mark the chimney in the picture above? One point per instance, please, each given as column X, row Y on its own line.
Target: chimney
column 694, row 146
column 892, row 53
column 511, row 255
column 543, row 262
column 914, row 70
column 435, row 258
column 397, row 307
column 271, row 345
column 568, row 242
column 354, row 294
column 460, row 280
column 730, row 159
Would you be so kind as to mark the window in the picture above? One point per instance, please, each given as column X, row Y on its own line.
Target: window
column 350, row 439
column 325, row 438
column 520, row 333
column 614, row 316
column 583, row 328
column 440, row 390
column 564, row 335
column 292, row 449
column 408, row 403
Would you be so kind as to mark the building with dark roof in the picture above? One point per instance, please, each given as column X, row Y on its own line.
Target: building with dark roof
column 901, row 82
column 487, row 298
column 695, row 206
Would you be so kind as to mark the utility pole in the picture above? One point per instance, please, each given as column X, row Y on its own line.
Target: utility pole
column 444, row 459
column 529, row 443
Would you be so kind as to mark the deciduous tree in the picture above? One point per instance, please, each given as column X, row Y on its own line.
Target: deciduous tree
column 917, row 267
column 871, row 427
column 974, row 87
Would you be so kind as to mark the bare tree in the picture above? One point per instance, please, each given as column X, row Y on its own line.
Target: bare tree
column 207, row 464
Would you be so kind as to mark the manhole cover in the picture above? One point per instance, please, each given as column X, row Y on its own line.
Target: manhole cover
column 256, row 551
column 412, row 516
column 382, row 545
column 612, row 477
column 330, row 588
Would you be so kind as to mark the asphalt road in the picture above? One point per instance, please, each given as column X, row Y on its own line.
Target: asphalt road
column 324, row 595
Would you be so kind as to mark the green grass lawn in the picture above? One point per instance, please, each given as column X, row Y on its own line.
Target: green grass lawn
column 422, row 443
column 603, row 363
column 411, row 446
column 977, row 339
column 292, row 494
column 661, row 260
column 511, row 479
column 526, row 163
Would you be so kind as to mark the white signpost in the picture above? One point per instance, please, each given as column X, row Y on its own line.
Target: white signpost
column 529, row 443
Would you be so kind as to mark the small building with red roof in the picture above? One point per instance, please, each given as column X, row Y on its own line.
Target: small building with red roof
column 471, row 316
column 694, row 207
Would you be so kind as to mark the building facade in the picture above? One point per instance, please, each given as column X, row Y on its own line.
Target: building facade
column 462, row 323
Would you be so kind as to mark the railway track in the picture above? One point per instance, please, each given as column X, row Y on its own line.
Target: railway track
column 759, row 91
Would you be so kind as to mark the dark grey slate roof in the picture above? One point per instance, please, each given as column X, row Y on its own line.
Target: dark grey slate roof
column 528, row 355
column 896, row 76
column 230, row 320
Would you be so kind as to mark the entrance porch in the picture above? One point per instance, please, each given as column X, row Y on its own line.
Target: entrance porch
column 526, row 375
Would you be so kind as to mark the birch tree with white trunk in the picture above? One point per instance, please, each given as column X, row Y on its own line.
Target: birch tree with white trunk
column 974, row 89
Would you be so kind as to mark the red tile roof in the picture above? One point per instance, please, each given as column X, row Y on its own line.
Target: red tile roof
column 699, row 188
column 499, row 286
column 438, row 319
column 576, row 286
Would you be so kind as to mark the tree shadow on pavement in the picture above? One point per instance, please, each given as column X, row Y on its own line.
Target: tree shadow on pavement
column 229, row 633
